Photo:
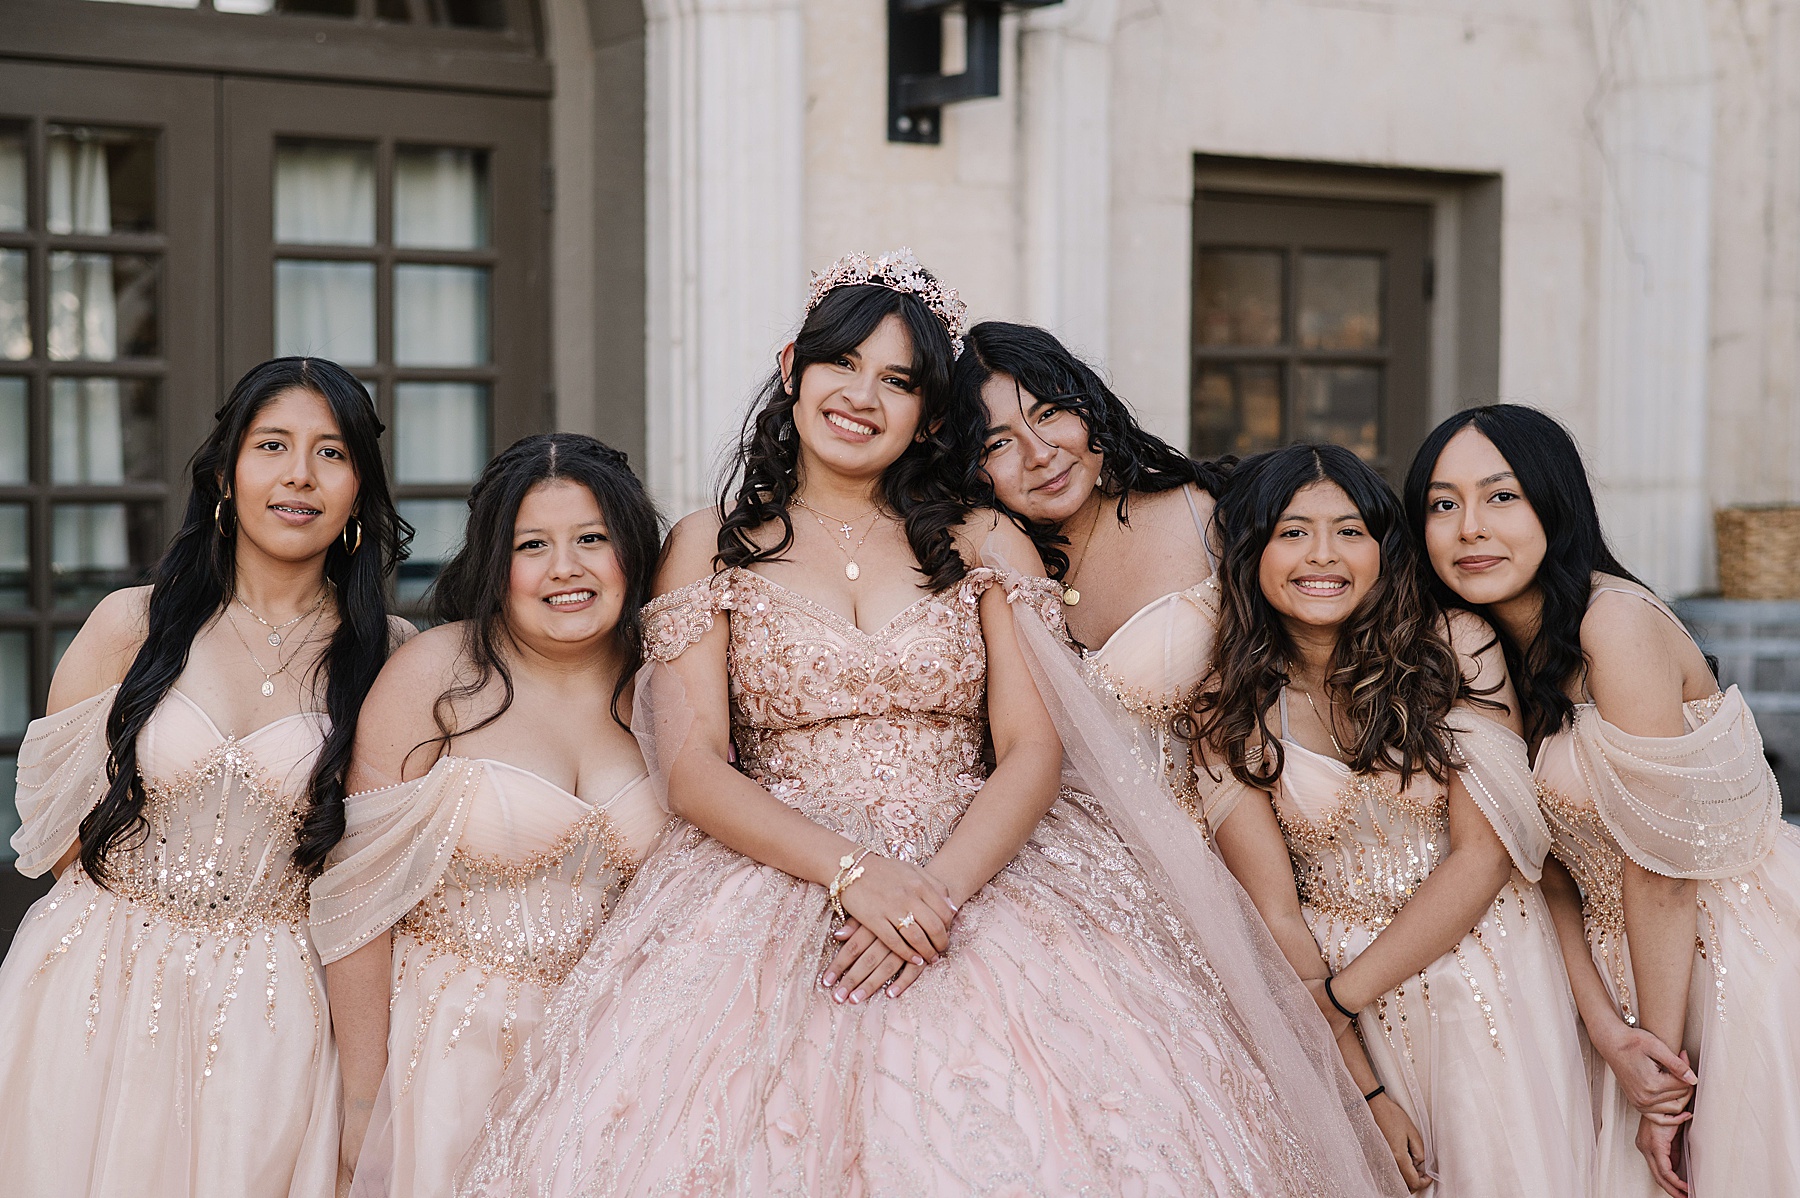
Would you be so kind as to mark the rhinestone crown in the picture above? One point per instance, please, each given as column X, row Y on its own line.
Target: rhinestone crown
column 896, row 270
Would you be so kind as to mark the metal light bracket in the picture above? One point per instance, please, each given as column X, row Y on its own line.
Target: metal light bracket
column 917, row 87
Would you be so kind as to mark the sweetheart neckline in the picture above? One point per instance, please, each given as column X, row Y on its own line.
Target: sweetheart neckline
column 640, row 776
column 1144, row 610
column 843, row 621
column 213, row 724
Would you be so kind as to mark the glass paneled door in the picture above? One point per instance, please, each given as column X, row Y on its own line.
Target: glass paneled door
column 102, row 394
column 1310, row 325
column 401, row 234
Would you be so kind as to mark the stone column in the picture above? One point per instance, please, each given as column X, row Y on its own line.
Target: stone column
column 1652, row 117
column 726, row 116
column 1065, row 59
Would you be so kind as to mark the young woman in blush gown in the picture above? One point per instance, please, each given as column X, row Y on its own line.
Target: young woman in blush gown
column 1000, row 1021
column 501, row 806
column 1374, row 798
column 1067, row 457
column 1678, row 889
column 1118, row 515
column 166, row 1033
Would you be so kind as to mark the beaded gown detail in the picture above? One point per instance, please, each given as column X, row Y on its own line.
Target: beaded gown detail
column 1069, row 1042
column 498, row 880
column 1482, row 1047
column 168, row 1036
column 1703, row 805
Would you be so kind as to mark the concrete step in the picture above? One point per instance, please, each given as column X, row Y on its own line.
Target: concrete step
column 1757, row 643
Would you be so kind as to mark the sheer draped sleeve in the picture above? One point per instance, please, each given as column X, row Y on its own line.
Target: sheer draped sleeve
column 1279, row 1017
column 396, row 845
column 661, row 717
column 1701, row 805
column 1497, row 774
column 62, row 775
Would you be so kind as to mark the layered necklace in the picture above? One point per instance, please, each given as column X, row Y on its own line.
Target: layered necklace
column 275, row 639
column 852, row 571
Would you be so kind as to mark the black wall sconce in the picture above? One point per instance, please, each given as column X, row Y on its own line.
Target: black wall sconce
column 917, row 87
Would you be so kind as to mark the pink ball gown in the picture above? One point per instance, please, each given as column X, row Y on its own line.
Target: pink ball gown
column 1702, row 805
column 167, row 1037
column 494, row 881
column 1073, row 1040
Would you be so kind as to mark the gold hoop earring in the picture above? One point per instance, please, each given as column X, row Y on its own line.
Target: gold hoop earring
column 349, row 547
column 218, row 514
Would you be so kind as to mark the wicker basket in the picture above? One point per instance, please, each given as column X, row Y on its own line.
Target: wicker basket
column 1759, row 551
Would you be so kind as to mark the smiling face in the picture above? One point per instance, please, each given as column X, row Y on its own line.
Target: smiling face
column 1036, row 454
column 293, row 487
column 855, row 415
column 566, row 587
column 1483, row 537
column 1320, row 560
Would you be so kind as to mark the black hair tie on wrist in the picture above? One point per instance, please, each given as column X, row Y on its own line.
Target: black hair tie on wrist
column 1372, row 1094
column 1346, row 1012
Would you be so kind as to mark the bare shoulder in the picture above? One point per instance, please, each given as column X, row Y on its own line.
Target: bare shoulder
column 1619, row 627
column 420, row 669
column 688, row 553
column 104, row 649
column 986, row 535
column 1168, row 510
column 400, row 630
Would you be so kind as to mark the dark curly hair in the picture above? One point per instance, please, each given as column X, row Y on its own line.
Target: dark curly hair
column 194, row 582
column 928, row 486
column 1133, row 460
column 473, row 585
column 1394, row 673
column 1551, row 476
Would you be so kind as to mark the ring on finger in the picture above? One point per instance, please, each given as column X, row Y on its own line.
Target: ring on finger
column 907, row 922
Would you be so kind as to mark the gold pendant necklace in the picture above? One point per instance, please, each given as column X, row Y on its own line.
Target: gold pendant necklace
column 275, row 630
column 281, row 667
column 852, row 571
column 1070, row 595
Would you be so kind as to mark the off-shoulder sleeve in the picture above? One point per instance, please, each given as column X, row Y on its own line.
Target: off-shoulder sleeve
column 673, row 622
column 397, row 844
column 1496, row 771
column 62, row 775
column 1035, row 592
column 1701, row 805
column 1219, row 796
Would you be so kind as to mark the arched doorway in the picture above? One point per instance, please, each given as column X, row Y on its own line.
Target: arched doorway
column 188, row 187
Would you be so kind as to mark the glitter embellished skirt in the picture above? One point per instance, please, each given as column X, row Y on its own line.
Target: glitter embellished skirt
column 1743, row 1038
column 141, row 1057
column 1481, row 1049
column 1067, row 1043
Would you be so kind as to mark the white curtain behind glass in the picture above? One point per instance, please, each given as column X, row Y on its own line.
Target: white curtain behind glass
column 440, row 199
column 12, row 183
column 86, row 443
column 325, row 195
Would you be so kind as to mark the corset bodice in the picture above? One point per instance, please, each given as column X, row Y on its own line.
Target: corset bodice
column 1361, row 844
column 222, row 814
column 874, row 734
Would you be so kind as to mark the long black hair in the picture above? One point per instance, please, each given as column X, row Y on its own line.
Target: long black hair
column 473, row 585
column 197, row 576
column 1394, row 672
column 928, row 486
column 1547, row 463
column 1133, row 459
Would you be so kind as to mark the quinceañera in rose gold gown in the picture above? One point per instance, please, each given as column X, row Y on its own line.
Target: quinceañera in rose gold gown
column 166, row 1036
column 1702, row 805
column 1076, row 1038
column 494, row 881
column 1481, row 1048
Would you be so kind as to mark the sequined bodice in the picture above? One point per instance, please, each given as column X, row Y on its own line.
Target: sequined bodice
column 1152, row 666
column 1360, row 844
column 222, row 814
column 533, row 873
column 874, row 734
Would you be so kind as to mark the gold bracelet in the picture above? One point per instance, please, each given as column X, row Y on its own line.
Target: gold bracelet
column 849, row 869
